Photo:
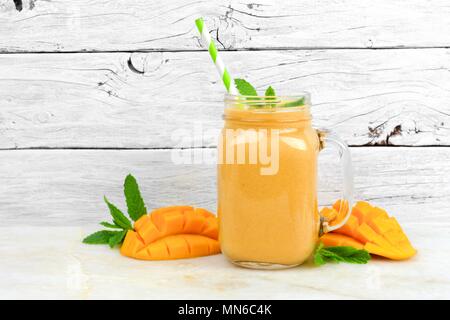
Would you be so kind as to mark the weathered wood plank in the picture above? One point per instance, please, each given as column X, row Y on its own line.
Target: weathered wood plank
column 65, row 187
column 96, row 25
column 123, row 100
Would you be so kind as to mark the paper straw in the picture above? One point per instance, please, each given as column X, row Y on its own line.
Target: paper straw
column 223, row 72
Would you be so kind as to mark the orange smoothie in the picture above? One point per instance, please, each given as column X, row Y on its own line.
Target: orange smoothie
column 267, row 204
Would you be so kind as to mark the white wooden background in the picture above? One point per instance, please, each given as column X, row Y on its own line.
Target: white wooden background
column 92, row 89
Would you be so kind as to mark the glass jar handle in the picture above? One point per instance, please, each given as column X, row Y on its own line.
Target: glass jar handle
column 329, row 138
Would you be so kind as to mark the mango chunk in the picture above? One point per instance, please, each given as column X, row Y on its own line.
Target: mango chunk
column 212, row 228
column 131, row 244
column 374, row 213
column 361, row 209
column 341, row 206
column 194, row 222
column 349, row 228
column 381, row 224
column 330, row 214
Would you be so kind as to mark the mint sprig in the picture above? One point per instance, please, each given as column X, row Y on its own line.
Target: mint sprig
column 246, row 89
column 136, row 209
column 338, row 254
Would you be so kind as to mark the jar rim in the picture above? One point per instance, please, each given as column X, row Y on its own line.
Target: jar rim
column 299, row 94
column 265, row 103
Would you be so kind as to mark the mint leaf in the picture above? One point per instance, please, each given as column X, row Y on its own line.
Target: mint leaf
column 117, row 238
column 112, row 238
column 118, row 217
column 296, row 103
column 329, row 256
column 135, row 204
column 319, row 247
column 270, row 95
column 318, row 259
column 360, row 257
column 270, row 92
column 99, row 237
column 350, row 254
column 346, row 254
column 245, row 88
column 341, row 251
column 110, row 225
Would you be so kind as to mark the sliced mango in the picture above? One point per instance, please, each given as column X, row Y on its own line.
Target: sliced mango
column 179, row 246
column 335, row 239
column 380, row 251
column 371, row 227
column 168, row 221
column 367, row 233
column 173, row 233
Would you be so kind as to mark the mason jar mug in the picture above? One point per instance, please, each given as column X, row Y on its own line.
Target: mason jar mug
column 267, row 181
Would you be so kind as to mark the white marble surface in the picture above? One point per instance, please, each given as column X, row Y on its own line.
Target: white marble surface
column 51, row 262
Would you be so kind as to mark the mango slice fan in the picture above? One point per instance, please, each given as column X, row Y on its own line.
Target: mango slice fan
column 369, row 228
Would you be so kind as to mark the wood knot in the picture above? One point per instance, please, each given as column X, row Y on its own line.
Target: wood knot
column 18, row 4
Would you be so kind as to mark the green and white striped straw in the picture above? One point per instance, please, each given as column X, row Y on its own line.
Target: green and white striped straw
column 223, row 72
